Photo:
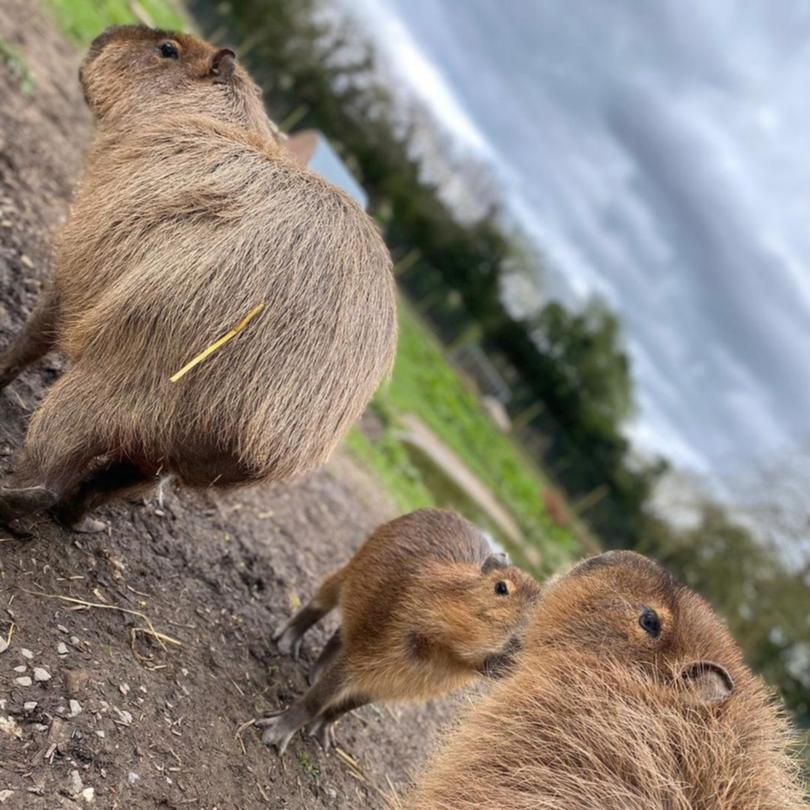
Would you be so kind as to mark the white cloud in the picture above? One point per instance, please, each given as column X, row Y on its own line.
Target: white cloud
column 657, row 169
column 424, row 77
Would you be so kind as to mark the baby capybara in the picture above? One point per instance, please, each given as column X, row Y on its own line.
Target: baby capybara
column 630, row 694
column 426, row 607
column 190, row 218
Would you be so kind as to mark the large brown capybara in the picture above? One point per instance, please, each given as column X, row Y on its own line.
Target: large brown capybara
column 629, row 694
column 426, row 607
column 189, row 217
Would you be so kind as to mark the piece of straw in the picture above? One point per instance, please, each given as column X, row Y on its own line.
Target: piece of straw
column 221, row 342
column 81, row 603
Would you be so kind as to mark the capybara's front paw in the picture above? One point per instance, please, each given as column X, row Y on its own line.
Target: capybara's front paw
column 278, row 731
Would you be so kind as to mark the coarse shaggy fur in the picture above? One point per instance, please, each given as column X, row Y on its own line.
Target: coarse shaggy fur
column 189, row 213
column 601, row 716
column 426, row 608
column 419, row 616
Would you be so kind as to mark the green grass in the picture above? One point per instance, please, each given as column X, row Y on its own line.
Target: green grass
column 82, row 20
column 309, row 766
column 394, row 467
column 18, row 67
column 426, row 385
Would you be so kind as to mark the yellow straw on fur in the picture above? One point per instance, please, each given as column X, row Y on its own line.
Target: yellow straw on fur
column 221, row 342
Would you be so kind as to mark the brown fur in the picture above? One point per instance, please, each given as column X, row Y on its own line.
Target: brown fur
column 600, row 715
column 188, row 214
column 420, row 615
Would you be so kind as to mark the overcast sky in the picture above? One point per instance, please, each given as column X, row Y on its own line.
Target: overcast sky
column 658, row 151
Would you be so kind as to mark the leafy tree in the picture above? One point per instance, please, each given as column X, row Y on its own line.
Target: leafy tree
column 591, row 371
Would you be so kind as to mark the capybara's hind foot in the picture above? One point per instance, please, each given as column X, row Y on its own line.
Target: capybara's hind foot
column 16, row 502
column 288, row 640
column 278, row 731
column 87, row 525
column 74, row 521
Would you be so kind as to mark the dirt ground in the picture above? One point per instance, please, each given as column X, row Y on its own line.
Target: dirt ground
column 94, row 711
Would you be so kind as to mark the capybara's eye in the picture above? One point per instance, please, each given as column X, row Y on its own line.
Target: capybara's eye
column 650, row 622
column 168, row 50
column 501, row 588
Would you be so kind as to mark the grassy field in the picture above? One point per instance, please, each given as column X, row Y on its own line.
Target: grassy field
column 83, row 20
column 426, row 385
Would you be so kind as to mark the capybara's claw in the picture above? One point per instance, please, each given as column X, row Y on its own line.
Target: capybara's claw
column 16, row 502
column 88, row 525
column 288, row 642
column 323, row 732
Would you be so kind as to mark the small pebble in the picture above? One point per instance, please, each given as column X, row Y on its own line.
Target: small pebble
column 133, row 777
column 9, row 726
column 75, row 681
column 29, row 705
column 62, row 628
column 75, row 641
column 57, row 731
column 75, row 707
column 100, row 733
column 123, row 689
column 75, row 783
column 61, row 648
column 24, row 681
column 88, row 795
column 41, row 674
column 20, row 668
column 26, row 653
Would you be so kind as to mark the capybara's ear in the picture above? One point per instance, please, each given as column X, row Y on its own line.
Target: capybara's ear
column 708, row 682
column 493, row 561
column 223, row 64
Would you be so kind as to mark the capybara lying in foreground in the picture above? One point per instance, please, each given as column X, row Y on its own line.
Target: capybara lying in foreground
column 191, row 221
column 629, row 694
column 426, row 607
